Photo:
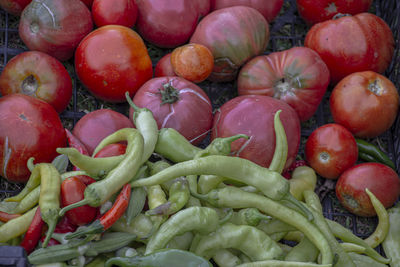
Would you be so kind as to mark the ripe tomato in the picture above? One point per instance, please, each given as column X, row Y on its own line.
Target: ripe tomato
column 366, row 103
column 380, row 179
column 111, row 150
column 297, row 76
column 194, row 62
column 330, row 150
column 96, row 125
column 88, row 3
column 177, row 103
column 253, row 115
column 55, row 26
column 29, row 127
column 14, row 7
column 233, row 35
column 72, row 191
column 168, row 23
column 111, row 60
column 318, row 11
column 352, row 43
column 39, row 75
column 119, row 12
column 269, row 9
column 164, row 67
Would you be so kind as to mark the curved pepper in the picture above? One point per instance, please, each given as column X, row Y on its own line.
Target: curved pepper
column 372, row 153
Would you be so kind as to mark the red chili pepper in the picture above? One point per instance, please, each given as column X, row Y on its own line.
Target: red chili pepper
column 5, row 217
column 74, row 142
column 34, row 232
column 110, row 217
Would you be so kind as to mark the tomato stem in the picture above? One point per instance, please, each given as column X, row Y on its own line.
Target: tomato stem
column 168, row 94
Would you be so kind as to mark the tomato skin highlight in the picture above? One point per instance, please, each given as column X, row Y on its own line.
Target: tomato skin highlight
column 380, row 179
column 330, row 150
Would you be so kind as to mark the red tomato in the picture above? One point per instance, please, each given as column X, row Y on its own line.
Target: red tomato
column 168, row 23
column 297, row 76
column 233, row 35
column 366, row 103
column 88, row 3
column 72, row 191
column 14, row 7
column 164, row 67
column 330, row 150
column 193, row 62
column 29, row 127
column 253, row 115
column 55, row 26
column 111, row 150
column 380, row 179
column 39, row 75
column 318, row 11
column 119, row 12
column 352, row 43
column 177, row 103
column 269, row 9
column 111, row 60
column 96, row 125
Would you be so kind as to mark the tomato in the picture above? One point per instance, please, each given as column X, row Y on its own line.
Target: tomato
column 269, row 9
column 164, row 67
column 29, row 127
column 98, row 124
column 253, row 115
column 72, row 191
column 233, row 35
column 111, row 60
column 330, row 150
column 14, row 7
column 88, row 3
column 111, row 150
column 351, row 44
column 366, row 103
column 177, row 103
column 194, row 62
column 318, row 11
column 55, row 27
column 119, row 12
column 168, row 23
column 39, row 75
column 380, row 179
column 297, row 76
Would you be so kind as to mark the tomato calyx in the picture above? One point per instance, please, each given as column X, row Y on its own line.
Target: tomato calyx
column 169, row 94
column 324, row 157
column 375, row 88
column 29, row 85
column 351, row 202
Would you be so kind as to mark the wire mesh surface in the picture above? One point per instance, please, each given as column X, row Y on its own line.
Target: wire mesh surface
column 287, row 30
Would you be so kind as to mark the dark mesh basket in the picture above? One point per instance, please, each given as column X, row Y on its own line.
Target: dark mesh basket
column 286, row 31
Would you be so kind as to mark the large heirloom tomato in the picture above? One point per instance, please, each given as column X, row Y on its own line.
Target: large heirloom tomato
column 318, row 11
column 380, row 179
column 14, row 7
column 330, row 150
column 29, row 127
column 177, row 103
column 233, row 35
column 167, row 23
column 352, row 43
column 366, row 103
column 253, row 115
column 55, row 26
column 37, row 74
column 269, row 9
column 111, row 60
column 297, row 76
column 119, row 12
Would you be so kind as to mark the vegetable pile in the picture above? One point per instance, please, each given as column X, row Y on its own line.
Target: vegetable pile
column 173, row 180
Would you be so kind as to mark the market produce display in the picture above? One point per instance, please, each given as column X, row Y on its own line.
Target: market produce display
column 199, row 133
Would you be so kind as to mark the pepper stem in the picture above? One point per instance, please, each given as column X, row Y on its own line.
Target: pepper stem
column 297, row 203
column 130, row 102
column 95, row 228
column 52, row 226
column 72, row 206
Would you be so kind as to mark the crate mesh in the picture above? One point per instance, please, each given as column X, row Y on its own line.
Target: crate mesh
column 287, row 30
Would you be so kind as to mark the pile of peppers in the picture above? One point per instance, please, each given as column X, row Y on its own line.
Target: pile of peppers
column 165, row 202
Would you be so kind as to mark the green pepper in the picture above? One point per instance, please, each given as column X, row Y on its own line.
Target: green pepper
column 372, row 153
column 17, row 226
column 391, row 244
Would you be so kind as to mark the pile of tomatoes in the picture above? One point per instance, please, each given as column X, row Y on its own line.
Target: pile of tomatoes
column 221, row 41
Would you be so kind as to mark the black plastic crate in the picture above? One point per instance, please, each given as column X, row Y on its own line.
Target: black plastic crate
column 287, row 30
